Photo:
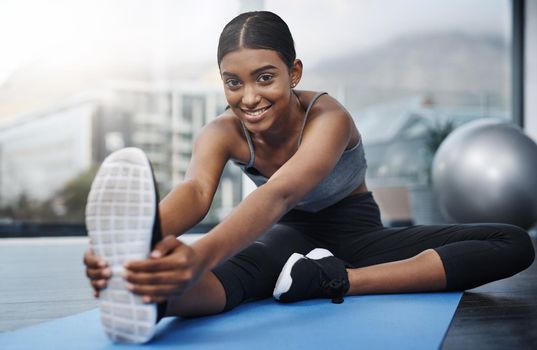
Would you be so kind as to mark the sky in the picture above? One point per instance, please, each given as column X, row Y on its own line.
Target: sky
column 187, row 30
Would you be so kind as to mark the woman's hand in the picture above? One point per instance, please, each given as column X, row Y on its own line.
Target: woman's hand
column 172, row 267
column 97, row 271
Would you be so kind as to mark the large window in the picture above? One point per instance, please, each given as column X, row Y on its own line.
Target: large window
column 79, row 79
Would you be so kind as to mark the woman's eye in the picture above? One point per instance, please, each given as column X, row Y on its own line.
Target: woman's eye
column 232, row 83
column 265, row 77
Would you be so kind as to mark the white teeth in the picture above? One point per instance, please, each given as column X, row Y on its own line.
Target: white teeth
column 256, row 113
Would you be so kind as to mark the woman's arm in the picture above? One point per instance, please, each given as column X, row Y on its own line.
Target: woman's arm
column 174, row 266
column 188, row 203
column 326, row 137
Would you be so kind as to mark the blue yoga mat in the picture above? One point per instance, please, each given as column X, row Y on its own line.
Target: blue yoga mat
column 396, row 321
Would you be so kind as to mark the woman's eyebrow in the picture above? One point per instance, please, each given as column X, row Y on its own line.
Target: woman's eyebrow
column 229, row 74
column 260, row 69
column 254, row 72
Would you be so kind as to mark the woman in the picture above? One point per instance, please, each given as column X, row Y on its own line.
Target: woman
column 311, row 213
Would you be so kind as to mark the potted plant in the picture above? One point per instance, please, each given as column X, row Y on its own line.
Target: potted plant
column 424, row 203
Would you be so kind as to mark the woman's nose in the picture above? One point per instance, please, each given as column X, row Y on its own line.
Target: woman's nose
column 250, row 98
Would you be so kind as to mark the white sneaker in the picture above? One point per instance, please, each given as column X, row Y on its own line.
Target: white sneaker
column 122, row 224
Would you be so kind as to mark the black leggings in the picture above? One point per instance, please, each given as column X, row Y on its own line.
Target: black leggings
column 472, row 254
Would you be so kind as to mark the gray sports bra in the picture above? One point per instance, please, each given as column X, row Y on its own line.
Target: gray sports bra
column 346, row 176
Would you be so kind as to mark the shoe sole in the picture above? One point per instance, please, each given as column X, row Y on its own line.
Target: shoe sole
column 285, row 280
column 120, row 216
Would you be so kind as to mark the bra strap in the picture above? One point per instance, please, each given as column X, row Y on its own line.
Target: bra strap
column 319, row 94
column 250, row 146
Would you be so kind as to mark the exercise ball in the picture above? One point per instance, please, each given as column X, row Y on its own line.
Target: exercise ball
column 486, row 171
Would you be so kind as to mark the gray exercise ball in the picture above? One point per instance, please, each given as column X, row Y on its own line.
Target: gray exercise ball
column 486, row 171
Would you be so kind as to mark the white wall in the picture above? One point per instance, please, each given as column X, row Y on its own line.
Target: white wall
column 530, row 67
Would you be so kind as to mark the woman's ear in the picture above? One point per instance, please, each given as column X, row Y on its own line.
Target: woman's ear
column 296, row 72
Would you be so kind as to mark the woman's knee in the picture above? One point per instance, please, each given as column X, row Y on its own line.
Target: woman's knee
column 250, row 274
column 520, row 244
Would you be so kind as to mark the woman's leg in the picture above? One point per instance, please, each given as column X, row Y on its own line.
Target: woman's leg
column 429, row 258
column 423, row 272
column 411, row 259
column 206, row 297
column 251, row 274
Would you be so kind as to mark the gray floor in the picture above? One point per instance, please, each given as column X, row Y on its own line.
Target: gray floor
column 43, row 279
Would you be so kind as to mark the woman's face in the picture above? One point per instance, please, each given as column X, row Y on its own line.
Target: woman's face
column 257, row 84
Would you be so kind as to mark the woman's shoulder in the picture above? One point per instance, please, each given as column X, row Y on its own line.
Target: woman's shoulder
column 325, row 112
column 227, row 123
column 320, row 103
column 225, row 131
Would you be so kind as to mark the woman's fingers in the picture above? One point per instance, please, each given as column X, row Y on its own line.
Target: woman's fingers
column 99, row 284
column 180, row 259
column 93, row 261
column 155, row 279
column 98, row 274
column 165, row 247
column 164, row 264
column 158, row 280
column 158, row 277
column 97, row 271
column 151, row 291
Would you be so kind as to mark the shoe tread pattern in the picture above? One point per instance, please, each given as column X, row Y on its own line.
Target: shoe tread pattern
column 120, row 214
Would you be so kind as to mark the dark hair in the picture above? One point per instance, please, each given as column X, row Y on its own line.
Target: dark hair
column 257, row 30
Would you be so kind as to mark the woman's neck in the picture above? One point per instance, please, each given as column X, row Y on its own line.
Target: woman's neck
column 287, row 128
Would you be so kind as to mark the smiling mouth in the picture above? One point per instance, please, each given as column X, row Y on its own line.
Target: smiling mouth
column 255, row 112
column 255, row 115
